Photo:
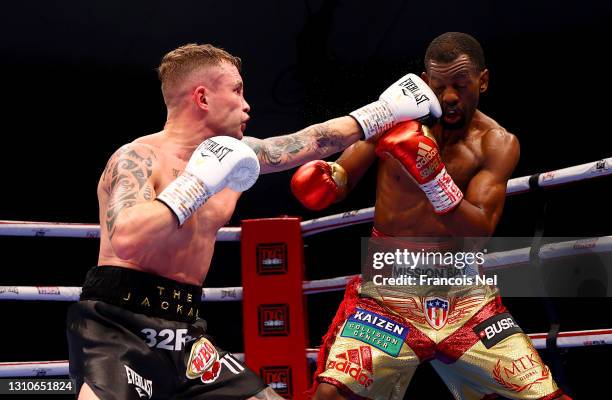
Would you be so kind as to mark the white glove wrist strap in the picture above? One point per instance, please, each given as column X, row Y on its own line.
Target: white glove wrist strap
column 184, row 195
column 442, row 192
column 374, row 118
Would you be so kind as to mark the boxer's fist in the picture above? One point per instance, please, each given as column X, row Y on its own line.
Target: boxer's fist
column 318, row 184
column 407, row 99
column 420, row 157
column 223, row 161
column 218, row 162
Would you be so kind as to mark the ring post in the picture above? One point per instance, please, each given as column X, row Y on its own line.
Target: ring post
column 273, row 304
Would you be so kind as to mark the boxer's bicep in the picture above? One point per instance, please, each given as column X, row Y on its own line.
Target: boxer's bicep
column 127, row 180
column 487, row 189
column 488, row 193
column 356, row 160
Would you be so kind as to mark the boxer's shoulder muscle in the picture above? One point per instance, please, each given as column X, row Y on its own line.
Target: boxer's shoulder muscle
column 495, row 140
column 489, row 128
column 500, row 151
column 134, row 162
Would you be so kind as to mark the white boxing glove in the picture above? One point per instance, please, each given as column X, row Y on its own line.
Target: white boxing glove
column 217, row 163
column 407, row 99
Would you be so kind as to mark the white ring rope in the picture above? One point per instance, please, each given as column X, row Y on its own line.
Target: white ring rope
column 549, row 251
column 79, row 230
column 589, row 170
column 495, row 260
column 594, row 337
column 50, row 229
column 517, row 185
column 72, row 293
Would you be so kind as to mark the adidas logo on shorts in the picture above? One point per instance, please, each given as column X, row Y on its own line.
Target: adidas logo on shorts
column 356, row 363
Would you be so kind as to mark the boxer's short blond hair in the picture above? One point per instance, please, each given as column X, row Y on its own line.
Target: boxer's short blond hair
column 181, row 61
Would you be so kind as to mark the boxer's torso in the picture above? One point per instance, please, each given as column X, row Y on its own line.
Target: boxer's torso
column 402, row 209
column 185, row 256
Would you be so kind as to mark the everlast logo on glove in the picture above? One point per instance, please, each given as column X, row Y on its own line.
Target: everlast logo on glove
column 496, row 329
column 414, row 90
column 219, row 151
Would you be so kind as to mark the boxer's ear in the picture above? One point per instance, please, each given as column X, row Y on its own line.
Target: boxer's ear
column 484, row 80
column 199, row 96
column 425, row 77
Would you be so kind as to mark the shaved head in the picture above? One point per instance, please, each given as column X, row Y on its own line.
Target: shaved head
column 450, row 46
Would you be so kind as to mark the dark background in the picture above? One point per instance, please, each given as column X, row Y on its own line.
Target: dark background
column 78, row 81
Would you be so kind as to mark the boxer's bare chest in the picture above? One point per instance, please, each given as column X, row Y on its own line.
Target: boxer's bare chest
column 403, row 208
column 463, row 159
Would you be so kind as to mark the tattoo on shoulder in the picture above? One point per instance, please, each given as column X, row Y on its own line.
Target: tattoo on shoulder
column 126, row 180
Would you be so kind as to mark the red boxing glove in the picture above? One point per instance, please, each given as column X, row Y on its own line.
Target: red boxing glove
column 420, row 157
column 318, row 184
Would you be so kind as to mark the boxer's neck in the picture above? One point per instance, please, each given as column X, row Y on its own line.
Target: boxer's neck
column 188, row 132
column 448, row 136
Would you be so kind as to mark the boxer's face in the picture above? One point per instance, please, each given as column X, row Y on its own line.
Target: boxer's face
column 227, row 108
column 458, row 85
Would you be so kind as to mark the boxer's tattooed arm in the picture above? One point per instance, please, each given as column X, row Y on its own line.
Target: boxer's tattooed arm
column 147, row 192
column 285, row 152
column 268, row 394
column 126, row 180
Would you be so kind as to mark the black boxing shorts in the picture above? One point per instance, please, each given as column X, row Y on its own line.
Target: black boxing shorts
column 134, row 335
